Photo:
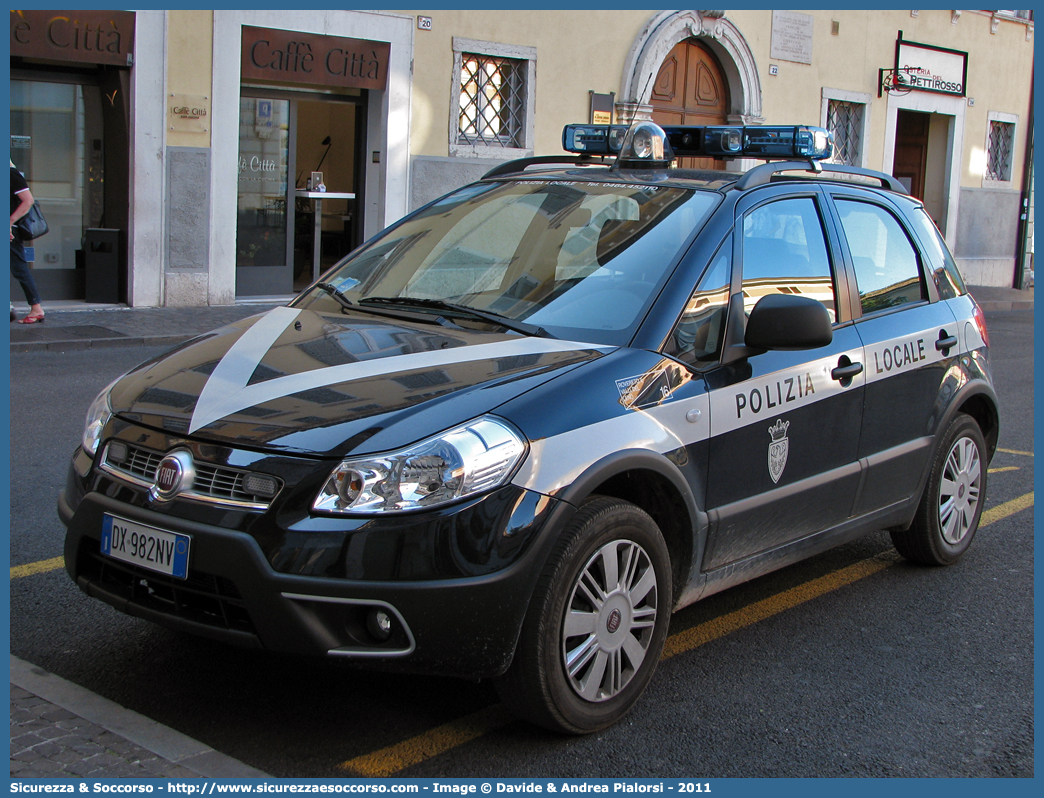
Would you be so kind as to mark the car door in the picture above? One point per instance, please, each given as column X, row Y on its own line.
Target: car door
column 785, row 425
column 910, row 341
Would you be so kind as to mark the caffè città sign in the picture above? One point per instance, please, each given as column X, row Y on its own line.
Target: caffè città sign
column 86, row 36
column 293, row 56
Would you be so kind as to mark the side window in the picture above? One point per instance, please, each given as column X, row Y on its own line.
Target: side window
column 947, row 277
column 701, row 328
column 885, row 261
column 785, row 252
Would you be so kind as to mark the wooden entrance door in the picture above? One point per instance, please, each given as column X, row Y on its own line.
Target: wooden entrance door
column 911, row 150
column 690, row 89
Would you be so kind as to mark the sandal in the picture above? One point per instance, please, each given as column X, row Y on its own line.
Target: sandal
column 30, row 319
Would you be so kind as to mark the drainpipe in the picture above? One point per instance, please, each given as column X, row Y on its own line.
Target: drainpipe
column 1024, row 200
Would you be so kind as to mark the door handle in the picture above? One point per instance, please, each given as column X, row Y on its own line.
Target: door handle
column 846, row 371
column 945, row 341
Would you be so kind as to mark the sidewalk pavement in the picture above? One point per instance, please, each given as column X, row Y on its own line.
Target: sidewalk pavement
column 61, row 730
column 74, row 325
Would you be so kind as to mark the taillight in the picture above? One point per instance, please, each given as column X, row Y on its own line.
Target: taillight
column 980, row 322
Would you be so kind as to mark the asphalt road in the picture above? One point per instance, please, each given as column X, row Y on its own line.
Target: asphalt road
column 853, row 663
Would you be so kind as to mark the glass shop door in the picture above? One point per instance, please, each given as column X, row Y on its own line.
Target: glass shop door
column 263, row 267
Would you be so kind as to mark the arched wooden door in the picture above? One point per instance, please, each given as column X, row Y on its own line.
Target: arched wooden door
column 690, row 89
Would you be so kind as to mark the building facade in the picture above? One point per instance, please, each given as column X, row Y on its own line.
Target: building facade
column 179, row 154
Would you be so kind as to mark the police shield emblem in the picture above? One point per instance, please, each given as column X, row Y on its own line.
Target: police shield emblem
column 779, row 447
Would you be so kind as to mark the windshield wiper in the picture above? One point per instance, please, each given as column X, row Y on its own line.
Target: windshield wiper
column 335, row 292
column 483, row 315
column 347, row 304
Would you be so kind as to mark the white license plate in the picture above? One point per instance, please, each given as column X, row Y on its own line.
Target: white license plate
column 147, row 546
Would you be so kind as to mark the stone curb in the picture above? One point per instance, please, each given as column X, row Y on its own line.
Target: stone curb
column 165, row 742
column 1003, row 305
column 101, row 343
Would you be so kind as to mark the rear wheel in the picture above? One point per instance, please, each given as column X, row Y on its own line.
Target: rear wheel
column 951, row 507
column 596, row 624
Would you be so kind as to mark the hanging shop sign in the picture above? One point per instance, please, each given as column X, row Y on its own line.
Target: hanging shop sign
column 85, row 36
column 925, row 67
column 271, row 54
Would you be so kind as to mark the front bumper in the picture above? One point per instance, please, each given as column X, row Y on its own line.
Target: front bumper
column 465, row 626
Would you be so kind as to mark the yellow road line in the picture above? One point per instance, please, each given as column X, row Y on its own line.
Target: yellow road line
column 41, row 567
column 396, row 757
column 1000, row 470
column 760, row 610
column 1006, row 509
column 1015, row 451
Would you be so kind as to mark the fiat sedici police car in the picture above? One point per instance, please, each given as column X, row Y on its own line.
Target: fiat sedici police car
column 512, row 433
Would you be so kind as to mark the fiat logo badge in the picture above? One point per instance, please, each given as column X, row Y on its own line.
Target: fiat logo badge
column 175, row 474
column 613, row 623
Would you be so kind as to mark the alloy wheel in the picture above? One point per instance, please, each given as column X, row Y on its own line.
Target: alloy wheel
column 609, row 620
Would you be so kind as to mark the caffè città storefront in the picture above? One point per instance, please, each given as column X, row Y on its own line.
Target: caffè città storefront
column 70, row 122
column 216, row 155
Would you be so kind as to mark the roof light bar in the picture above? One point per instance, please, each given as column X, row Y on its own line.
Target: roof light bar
column 593, row 139
column 751, row 141
column 765, row 142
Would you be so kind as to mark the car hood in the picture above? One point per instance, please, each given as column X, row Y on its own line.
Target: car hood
column 297, row 381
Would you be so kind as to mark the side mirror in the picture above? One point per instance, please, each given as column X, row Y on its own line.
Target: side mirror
column 785, row 321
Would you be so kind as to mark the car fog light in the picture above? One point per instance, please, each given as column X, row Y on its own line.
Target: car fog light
column 117, row 452
column 379, row 624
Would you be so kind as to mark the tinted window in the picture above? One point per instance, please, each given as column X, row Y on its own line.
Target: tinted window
column 582, row 259
column 700, row 331
column 947, row 277
column 785, row 252
column 885, row 261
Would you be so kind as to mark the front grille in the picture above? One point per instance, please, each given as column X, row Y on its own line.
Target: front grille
column 140, row 462
column 212, row 481
column 203, row 598
column 220, row 482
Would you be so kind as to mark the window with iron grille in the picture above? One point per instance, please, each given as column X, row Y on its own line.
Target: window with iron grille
column 845, row 121
column 492, row 100
column 998, row 153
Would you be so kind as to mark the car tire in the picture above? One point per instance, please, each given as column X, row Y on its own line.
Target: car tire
column 609, row 578
column 951, row 506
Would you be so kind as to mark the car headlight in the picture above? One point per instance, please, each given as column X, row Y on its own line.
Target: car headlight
column 98, row 415
column 472, row 458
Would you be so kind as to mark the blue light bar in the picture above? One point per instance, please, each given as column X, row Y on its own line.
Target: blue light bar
column 765, row 142
column 593, row 139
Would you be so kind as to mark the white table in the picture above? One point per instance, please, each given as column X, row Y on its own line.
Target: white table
column 317, row 198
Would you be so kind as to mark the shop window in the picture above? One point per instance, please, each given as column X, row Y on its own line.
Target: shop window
column 493, row 87
column 999, row 147
column 847, row 115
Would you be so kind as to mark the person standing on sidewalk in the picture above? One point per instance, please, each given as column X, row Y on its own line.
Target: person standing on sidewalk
column 21, row 202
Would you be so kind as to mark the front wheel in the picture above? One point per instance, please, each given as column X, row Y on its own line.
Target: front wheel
column 951, row 507
column 596, row 624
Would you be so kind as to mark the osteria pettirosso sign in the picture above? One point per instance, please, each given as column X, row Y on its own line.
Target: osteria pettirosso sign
column 924, row 67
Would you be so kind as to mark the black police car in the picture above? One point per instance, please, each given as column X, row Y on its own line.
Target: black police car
column 512, row 433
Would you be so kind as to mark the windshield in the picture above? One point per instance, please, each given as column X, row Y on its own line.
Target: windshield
column 580, row 260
